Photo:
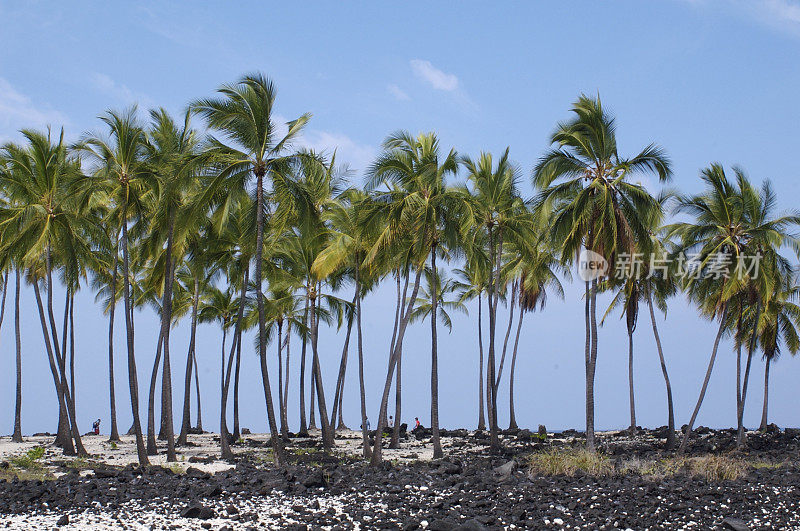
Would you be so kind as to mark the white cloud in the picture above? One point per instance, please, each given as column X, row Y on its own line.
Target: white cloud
column 357, row 156
column 783, row 10
column 118, row 91
column 433, row 76
column 18, row 111
column 397, row 92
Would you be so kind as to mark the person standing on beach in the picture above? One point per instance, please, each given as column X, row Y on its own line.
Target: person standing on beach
column 391, row 421
column 96, row 427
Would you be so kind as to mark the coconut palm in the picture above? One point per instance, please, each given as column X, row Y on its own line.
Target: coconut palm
column 780, row 330
column 731, row 225
column 121, row 173
column 500, row 219
column 585, row 187
column 45, row 227
column 243, row 115
column 427, row 209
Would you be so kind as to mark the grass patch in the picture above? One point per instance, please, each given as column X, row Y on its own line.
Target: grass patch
column 567, row 462
column 30, row 459
column 177, row 468
column 26, row 467
column 556, row 462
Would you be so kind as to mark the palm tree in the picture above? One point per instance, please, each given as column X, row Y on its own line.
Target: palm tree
column 781, row 327
column 501, row 219
column 45, row 223
column 122, row 174
column 426, row 208
column 17, row 436
column 730, row 224
column 353, row 229
column 244, row 116
column 537, row 278
column 474, row 277
column 594, row 206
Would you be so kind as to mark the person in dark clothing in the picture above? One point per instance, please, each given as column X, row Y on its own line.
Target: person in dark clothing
column 96, row 427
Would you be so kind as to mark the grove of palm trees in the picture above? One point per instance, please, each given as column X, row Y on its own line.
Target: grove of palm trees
column 218, row 218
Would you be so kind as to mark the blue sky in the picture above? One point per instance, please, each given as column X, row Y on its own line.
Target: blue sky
column 709, row 80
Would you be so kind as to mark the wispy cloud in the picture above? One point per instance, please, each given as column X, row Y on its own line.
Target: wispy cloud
column 18, row 111
column 118, row 91
column 433, row 76
column 397, row 92
column 782, row 15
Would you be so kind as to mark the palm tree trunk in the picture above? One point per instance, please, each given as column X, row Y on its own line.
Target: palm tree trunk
column 197, row 391
column 437, row 442
column 133, row 382
column 312, row 416
column 166, row 321
column 398, row 382
column 67, row 447
column 740, row 435
column 491, row 399
column 304, row 334
column 152, row 448
column 72, row 346
column 401, row 330
column 111, row 393
column 590, row 439
column 186, row 421
column 68, row 398
column 284, row 429
column 64, row 433
column 17, row 437
column 225, row 448
column 670, row 407
column 481, row 415
column 588, row 364
column 316, row 372
column 631, row 395
column 512, row 423
column 236, row 428
column 277, row 446
column 508, row 334
column 337, row 398
column 688, row 433
column 763, row 425
column 366, row 450
column 285, row 408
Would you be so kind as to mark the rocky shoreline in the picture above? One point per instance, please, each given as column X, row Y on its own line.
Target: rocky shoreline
column 469, row 489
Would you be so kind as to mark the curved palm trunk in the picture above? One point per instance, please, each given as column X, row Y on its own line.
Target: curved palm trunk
column 337, row 397
column 496, row 251
column 508, row 334
column 111, row 392
column 688, row 433
column 366, row 450
column 133, row 382
column 225, row 448
column 763, row 425
column 631, row 396
column 401, row 330
column 186, row 420
column 398, row 382
column 67, row 447
column 61, row 356
column 303, row 424
column 316, row 372
column 17, row 436
column 512, row 423
column 277, row 446
column 152, row 448
column 671, row 410
column 740, row 435
column 437, row 443
column 64, row 433
column 481, row 414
